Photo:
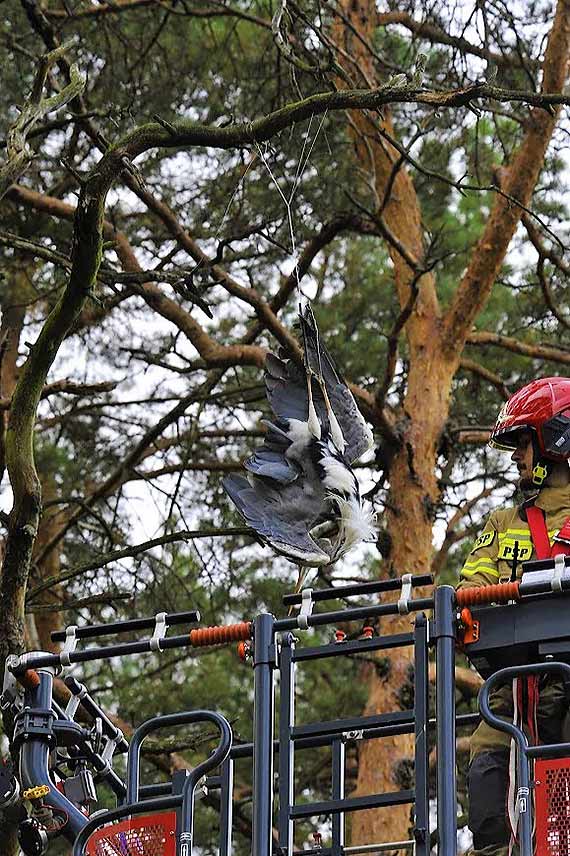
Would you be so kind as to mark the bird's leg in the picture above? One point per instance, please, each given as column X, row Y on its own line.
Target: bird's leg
column 335, row 429
column 313, row 423
column 303, row 571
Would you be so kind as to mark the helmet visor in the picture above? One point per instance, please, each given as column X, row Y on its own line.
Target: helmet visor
column 507, row 440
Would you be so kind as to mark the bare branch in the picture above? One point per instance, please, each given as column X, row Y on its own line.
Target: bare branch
column 486, row 374
column 135, row 550
column 541, row 352
column 69, row 387
column 18, row 153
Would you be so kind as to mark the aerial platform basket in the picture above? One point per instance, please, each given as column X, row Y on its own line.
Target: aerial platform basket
column 147, row 835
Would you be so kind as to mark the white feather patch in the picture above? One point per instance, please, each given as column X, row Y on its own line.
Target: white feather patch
column 300, row 436
column 338, row 477
column 357, row 523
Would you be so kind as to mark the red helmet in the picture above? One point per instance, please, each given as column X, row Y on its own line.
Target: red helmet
column 542, row 406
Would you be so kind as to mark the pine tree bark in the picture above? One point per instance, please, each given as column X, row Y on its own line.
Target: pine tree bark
column 435, row 343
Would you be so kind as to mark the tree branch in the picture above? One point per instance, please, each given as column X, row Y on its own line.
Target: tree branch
column 541, row 352
column 492, row 378
column 70, row 387
column 520, row 180
column 18, row 154
column 135, row 550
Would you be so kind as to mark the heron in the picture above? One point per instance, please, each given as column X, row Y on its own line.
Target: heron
column 300, row 493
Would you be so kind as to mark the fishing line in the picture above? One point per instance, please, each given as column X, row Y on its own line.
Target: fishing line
column 288, row 202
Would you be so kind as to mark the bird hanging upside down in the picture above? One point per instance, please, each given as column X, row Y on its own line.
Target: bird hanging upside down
column 301, row 495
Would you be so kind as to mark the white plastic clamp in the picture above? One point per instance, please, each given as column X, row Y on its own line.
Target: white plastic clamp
column 559, row 566
column 69, row 645
column 406, row 595
column 522, row 798
column 74, row 701
column 356, row 734
column 110, row 746
column 307, row 604
column 159, row 631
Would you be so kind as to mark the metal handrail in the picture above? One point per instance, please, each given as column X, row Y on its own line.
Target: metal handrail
column 185, row 799
column 523, row 792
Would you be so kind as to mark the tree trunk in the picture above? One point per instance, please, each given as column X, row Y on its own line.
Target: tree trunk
column 45, row 620
column 435, row 345
column 13, row 306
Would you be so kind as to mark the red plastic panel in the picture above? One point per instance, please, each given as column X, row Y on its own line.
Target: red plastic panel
column 552, row 807
column 147, row 835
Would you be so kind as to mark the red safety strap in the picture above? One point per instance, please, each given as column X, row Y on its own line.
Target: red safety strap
column 538, row 532
column 539, row 535
column 561, row 544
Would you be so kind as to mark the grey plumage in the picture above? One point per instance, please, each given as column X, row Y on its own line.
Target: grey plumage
column 287, row 395
column 300, row 493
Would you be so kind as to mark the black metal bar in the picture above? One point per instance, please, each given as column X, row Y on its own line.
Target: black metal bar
column 218, row 756
column 91, row 706
column 337, row 823
column 421, row 759
column 108, row 652
column 549, row 750
column 354, row 723
column 226, row 808
column 313, row 851
column 170, row 720
column 445, row 710
column 89, row 631
column 358, row 589
column 263, row 715
column 356, row 646
column 286, row 744
column 159, row 789
column 341, row 616
column 245, row 750
column 375, row 849
column 299, row 812
column 543, row 564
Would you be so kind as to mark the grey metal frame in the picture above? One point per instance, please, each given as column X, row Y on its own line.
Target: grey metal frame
column 275, row 651
column 275, row 654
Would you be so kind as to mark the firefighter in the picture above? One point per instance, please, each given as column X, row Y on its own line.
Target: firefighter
column 534, row 425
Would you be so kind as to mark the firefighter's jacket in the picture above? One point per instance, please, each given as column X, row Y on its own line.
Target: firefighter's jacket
column 490, row 562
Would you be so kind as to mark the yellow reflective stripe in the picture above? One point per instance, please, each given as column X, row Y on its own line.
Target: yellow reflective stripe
column 512, row 535
column 523, row 532
column 480, row 566
column 491, row 571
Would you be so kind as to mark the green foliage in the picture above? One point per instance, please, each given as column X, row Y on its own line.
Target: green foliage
column 165, row 60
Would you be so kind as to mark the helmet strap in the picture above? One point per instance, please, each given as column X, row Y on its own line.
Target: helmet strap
column 540, row 473
column 540, row 468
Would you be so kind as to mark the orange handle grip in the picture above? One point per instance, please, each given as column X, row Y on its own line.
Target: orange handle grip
column 500, row 593
column 220, row 635
column 29, row 680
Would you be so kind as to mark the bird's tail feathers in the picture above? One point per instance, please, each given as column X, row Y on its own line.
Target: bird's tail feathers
column 356, row 524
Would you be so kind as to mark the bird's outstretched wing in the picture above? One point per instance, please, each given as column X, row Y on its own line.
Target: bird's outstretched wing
column 356, row 432
column 282, row 514
column 286, row 387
